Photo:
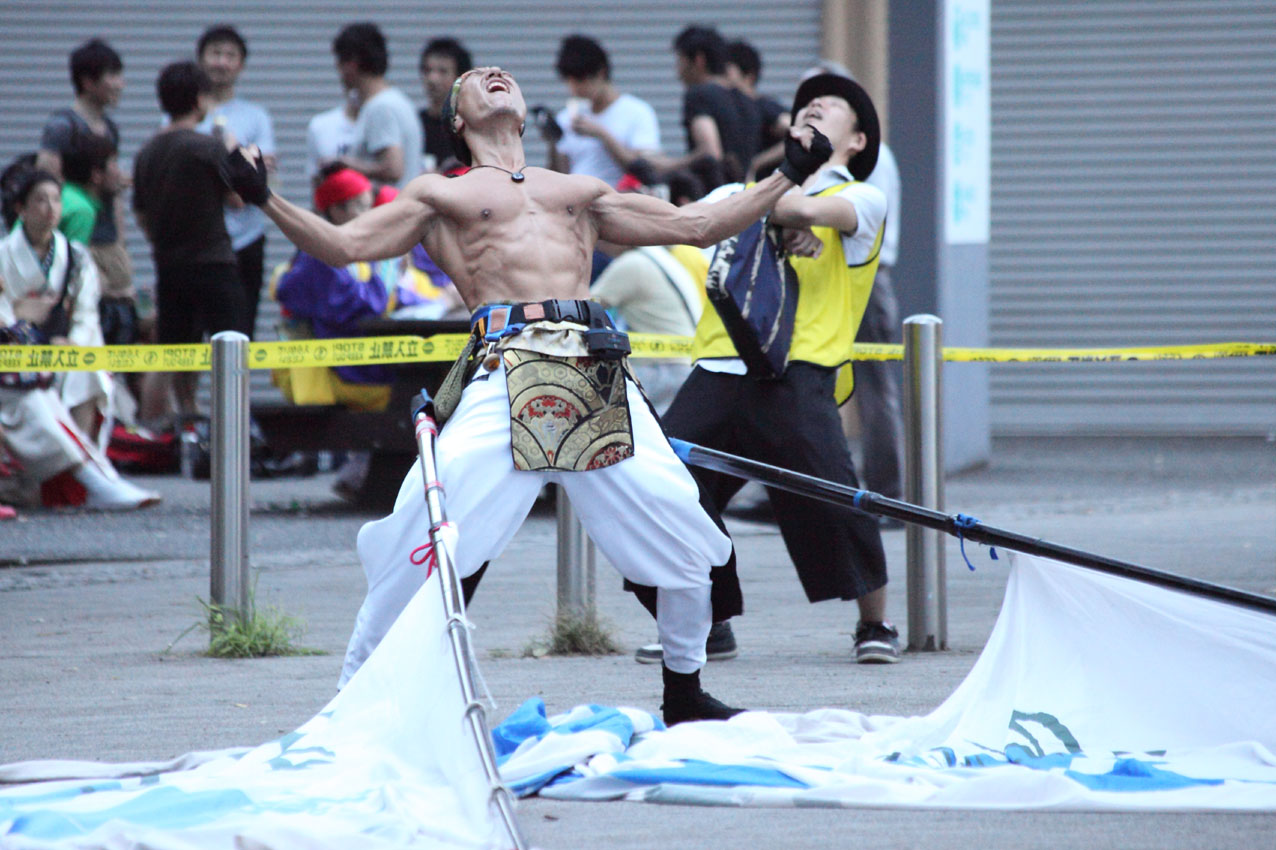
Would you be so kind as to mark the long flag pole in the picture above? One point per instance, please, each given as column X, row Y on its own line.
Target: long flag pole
column 427, row 431
column 959, row 525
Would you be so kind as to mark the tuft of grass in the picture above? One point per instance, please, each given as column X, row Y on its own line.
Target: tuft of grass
column 260, row 633
column 574, row 635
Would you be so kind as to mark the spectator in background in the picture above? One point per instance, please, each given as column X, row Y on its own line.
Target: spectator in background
column 53, row 282
column 84, row 179
column 722, row 125
column 744, row 69
column 387, row 134
column 603, row 130
column 97, row 74
column 324, row 302
column 48, row 295
column 330, row 135
column 877, row 393
column 222, row 53
column 442, row 61
column 178, row 194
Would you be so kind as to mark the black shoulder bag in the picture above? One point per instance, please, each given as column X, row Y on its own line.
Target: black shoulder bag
column 754, row 289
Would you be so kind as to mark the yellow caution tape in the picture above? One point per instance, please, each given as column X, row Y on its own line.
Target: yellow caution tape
column 1208, row 351
column 364, row 351
column 261, row 355
column 659, row 345
column 383, row 350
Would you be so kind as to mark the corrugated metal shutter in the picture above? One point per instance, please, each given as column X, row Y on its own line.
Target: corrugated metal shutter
column 290, row 68
column 1133, row 203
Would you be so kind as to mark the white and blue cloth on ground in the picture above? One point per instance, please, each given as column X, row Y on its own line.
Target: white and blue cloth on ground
column 387, row 764
column 1093, row 693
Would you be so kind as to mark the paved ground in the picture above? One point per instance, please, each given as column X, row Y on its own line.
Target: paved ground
column 89, row 602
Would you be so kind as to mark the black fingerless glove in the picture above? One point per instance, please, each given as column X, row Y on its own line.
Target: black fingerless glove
column 246, row 178
column 799, row 162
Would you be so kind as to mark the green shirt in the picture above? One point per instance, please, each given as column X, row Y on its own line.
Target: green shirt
column 79, row 213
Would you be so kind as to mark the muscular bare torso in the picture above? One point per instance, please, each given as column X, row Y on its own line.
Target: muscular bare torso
column 505, row 241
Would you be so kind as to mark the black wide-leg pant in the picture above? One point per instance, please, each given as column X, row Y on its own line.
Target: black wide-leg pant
column 792, row 423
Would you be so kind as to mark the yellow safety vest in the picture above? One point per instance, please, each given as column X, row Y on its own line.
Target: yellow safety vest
column 831, row 301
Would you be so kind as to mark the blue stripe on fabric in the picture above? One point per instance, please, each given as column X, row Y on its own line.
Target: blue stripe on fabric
column 529, row 722
column 526, row 721
column 61, row 794
column 602, row 719
column 162, row 808
column 530, row 785
column 1136, row 775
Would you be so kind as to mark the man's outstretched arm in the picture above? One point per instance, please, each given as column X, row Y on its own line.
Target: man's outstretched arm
column 631, row 219
column 387, row 231
column 635, row 219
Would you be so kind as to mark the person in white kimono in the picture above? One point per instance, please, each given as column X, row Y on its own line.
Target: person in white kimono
column 48, row 295
column 38, row 262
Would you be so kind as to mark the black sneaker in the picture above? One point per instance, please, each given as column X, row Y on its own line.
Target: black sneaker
column 876, row 643
column 719, row 647
column 685, row 700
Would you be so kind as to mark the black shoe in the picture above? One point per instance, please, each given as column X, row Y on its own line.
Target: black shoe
column 685, row 700
column 876, row 643
column 720, row 646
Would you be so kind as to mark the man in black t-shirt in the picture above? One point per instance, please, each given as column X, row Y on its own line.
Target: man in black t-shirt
column 442, row 61
column 724, row 128
column 97, row 74
column 178, row 195
column 744, row 69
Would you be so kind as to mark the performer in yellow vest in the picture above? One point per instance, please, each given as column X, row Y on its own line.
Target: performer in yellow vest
column 793, row 422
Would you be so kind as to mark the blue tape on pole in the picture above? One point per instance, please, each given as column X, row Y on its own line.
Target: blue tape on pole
column 963, row 522
column 682, row 449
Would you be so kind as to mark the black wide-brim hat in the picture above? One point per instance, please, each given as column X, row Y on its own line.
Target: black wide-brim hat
column 863, row 163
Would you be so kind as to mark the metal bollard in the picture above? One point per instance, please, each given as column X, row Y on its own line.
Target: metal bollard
column 576, row 560
column 230, row 445
column 924, row 481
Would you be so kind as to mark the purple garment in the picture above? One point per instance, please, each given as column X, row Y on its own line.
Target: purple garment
column 334, row 300
column 422, row 262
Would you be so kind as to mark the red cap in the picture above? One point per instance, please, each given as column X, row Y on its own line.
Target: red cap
column 385, row 195
column 628, row 183
column 340, row 186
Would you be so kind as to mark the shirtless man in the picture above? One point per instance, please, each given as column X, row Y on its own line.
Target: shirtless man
column 517, row 242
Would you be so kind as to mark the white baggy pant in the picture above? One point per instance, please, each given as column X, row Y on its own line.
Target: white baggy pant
column 643, row 513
